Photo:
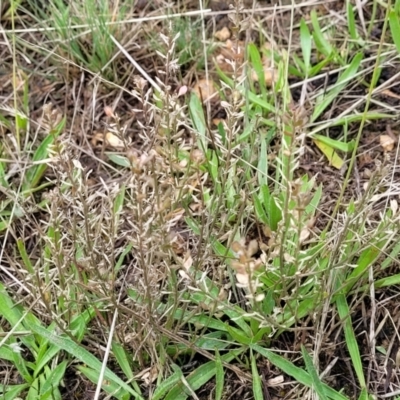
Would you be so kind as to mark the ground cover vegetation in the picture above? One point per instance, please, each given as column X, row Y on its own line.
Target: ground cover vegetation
column 199, row 199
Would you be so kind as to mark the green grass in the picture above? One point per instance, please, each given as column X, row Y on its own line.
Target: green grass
column 198, row 256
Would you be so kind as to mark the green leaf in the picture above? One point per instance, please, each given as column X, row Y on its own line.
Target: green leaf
column 33, row 393
column 44, row 360
column 13, row 314
column 317, row 384
column 335, row 144
column 21, row 366
column 122, row 359
column 297, row 373
column 167, row 384
column 119, row 160
column 35, row 173
column 219, row 377
column 199, row 122
column 259, row 209
column 82, row 355
column 351, row 341
column 273, row 211
column 119, row 202
column 25, row 258
column 11, row 392
column 53, row 379
column 257, row 386
column 238, row 335
column 258, row 67
column 321, row 43
column 386, row 282
column 306, row 45
column 394, row 22
column 334, row 159
column 109, row 386
column 199, row 377
column 323, row 101
column 351, row 21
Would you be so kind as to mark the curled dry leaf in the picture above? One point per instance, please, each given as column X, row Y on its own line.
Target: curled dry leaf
column 187, row 262
column 304, row 234
column 205, row 90
column 182, row 90
column 114, row 141
column 387, row 142
column 223, row 35
column 394, row 206
column 148, row 375
column 197, row 156
column 109, row 111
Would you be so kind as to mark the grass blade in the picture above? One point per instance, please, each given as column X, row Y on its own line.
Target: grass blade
column 257, row 386
column 306, row 45
column 321, row 43
column 297, row 373
column 351, row 342
column 317, row 384
column 394, row 23
column 219, row 377
column 82, row 355
column 341, row 83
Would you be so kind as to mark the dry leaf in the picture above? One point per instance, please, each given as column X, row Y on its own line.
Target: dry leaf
column 223, row 35
column 109, row 111
column 387, row 142
column 276, row 381
column 187, row 262
column 394, row 206
column 182, row 90
column 114, row 141
column 304, row 234
column 389, row 93
column 148, row 375
column 205, row 90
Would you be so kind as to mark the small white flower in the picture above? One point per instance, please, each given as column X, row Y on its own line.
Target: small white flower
column 16, row 348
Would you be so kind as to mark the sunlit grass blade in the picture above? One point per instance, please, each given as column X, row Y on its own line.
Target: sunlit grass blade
column 334, row 159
